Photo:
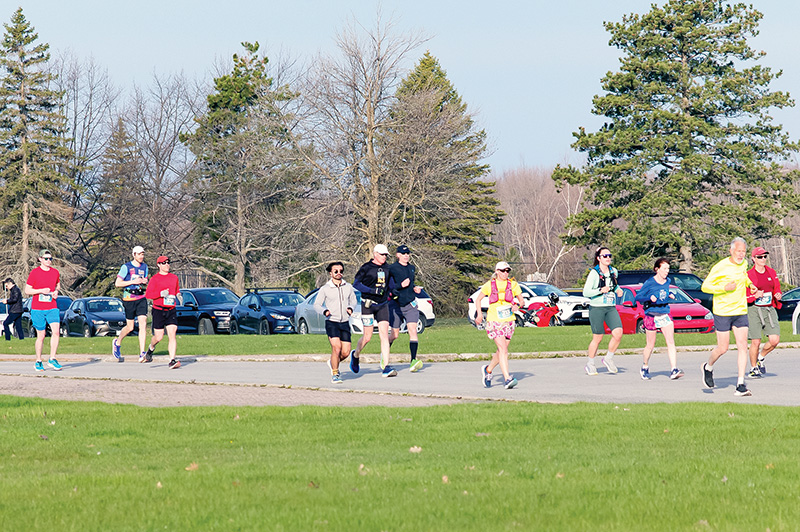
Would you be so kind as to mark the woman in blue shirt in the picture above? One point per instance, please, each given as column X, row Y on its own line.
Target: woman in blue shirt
column 654, row 295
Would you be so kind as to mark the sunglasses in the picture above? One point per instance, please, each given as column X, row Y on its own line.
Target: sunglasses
column 505, row 270
column 165, row 262
column 47, row 258
column 384, row 254
column 762, row 256
column 337, row 271
column 606, row 255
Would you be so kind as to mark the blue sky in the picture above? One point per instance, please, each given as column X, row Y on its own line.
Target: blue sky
column 528, row 69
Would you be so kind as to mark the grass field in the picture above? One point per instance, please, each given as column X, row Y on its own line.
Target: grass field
column 451, row 336
column 90, row 466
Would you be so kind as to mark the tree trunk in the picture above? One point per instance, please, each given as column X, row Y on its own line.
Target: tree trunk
column 687, row 262
column 23, row 254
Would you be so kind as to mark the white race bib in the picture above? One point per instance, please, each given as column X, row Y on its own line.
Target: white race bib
column 45, row 298
column 610, row 298
column 414, row 303
column 169, row 300
column 368, row 321
column 504, row 312
column 765, row 300
column 661, row 320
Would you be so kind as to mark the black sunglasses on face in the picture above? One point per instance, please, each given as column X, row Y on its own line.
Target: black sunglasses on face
column 761, row 256
column 505, row 270
column 165, row 262
column 384, row 254
column 606, row 255
column 47, row 258
column 337, row 271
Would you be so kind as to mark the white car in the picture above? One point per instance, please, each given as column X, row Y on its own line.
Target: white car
column 574, row 309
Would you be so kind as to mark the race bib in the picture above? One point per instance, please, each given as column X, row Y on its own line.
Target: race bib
column 609, row 298
column 45, row 298
column 661, row 320
column 381, row 278
column 169, row 300
column 504, row 312
column 414, row 303
column 765, row 300
column 368, row 321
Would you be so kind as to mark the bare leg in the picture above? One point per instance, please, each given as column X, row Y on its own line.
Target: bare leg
column 594, row 344
column 669, row 337
column 172, row 345
column 365, row 338
column 774, row 339
column 723, row 342
column 383, row 333
column 54, row 338
column 649, row 346
column 336, row 353
column 142, row 332
column 740, row 334
column 616, row 338
column 754, row 345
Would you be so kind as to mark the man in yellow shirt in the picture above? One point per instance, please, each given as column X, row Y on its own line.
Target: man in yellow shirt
column 728, row 282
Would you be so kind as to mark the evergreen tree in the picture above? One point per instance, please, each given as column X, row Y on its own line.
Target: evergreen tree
column 689, row 156
column 33, row 156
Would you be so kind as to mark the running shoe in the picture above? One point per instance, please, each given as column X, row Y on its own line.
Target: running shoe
column 590, row 369
column 388, row 371
column 174, row 363
column 354, row 361
column 143, row 357
column 39, row 366
column 53, row 363
column 486, row 377
column 754, row 373
column 416, row 365
column 336, row 378
column 510, row 383
column 148, row 356
column 676, row 374
column 645, row 373
column 116, row 350
column 708, row 376
column 612, row 368
column 761, row 366
column 742, row 391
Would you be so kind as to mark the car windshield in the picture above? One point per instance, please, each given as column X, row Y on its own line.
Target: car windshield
column 546, row 289
column 281, row 299
column 680, row 296
column 211, row 297
column 104, row 305
column 63, row 303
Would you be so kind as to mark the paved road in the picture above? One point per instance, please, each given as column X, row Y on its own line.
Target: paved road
column 558, row 380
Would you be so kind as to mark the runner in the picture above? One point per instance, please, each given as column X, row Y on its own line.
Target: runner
column 728, row 282
column 163, row 289
column 43, row 285
column 654, row 295
column 372, row 281
column 404, row 302
column 601, row 287
column 336, row 300
column 14, row 302
column 132, row 277
column 762, row 317
column 500, row 320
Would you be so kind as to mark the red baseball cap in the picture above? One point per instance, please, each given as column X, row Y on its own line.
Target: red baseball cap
column 161, row 259
column 759, row 251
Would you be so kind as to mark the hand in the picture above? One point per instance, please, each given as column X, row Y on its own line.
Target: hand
column 380, row 291
column 478, row 318
column 730, row 287
column 778, row 296
column 619, row 292
column 141, row 280
column 417, row 289
column 671, row 295
column 44, row 291
column 349, row 311
column 654, row 299
column 405, row 283
column 327, row 313
column 759, row 293
column 605, row 289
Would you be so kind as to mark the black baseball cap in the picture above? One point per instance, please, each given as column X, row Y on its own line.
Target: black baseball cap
column 403, row 249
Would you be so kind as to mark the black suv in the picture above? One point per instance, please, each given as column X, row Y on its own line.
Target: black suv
column 689, row 282
column 206, row 310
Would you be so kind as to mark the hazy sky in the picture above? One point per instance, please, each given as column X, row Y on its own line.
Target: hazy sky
column 528, row 68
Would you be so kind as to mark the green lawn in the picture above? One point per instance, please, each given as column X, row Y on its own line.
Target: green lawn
column 493, row 466
column 451, row 336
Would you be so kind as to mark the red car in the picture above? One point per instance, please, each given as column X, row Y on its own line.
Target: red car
column 687, row 314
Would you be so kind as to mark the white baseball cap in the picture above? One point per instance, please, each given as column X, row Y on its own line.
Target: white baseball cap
column 502, row 265
column 137, row 249
column 380, row 249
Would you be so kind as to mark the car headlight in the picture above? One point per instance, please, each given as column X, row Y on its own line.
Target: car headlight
column 278, row 316
column 709, row 316
column 99, row 322
column 221, row 313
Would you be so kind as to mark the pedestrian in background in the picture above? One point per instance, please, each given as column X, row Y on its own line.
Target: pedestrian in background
column 14, row 302
column 762, row 316
column 602, row 290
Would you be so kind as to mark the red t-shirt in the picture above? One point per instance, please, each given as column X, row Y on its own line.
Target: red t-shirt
column 162, row 285
column 43, row 279
column 769, row 283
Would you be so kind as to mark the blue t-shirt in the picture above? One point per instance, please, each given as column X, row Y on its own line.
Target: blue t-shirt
column 651, row 287
column 129, row 272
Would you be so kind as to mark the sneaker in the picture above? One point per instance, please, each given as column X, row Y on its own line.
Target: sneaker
column 148, row 356
column 754, row 373
column 486, row 377
column 143, row 357
column 676, row 374
column 388, row 371
column 590, row 369
column 761, row 366
column 510, row 383
column 336, row 378
column 116, row 350
column 174, row 363
column 612, row 368
column 53, row 363
column 353, row 361
column 39, row 366
column 708, row 376
column 742, row 391
column 645, row 373
column 416, row 365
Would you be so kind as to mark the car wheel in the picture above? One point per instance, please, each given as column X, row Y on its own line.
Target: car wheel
column 420, row 325
column 63, row 332
column 204, row 326
column 520, row 321
column 234, row 328
column 263, row 327
column 555, row 322
column 640, row 327
column 87, row 330
column 302, row 327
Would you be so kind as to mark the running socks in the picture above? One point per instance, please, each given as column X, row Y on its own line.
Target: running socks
column 413, row 347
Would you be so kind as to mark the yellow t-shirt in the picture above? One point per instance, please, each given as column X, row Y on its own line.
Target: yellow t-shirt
column 728, row 303
column 501, row 309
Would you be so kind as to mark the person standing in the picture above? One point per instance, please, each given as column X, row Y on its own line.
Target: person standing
column 372, row 281
column 163, row 289
column 14, row 302
column 500, row 320
column 654, row 295
column 602, row 288
column 762, row 316
column 336, row 301
column 728, row 282
column 132, row 277
column 43, row 285
column 403, row 303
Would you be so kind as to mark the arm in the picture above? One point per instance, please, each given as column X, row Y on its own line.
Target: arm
column 592, row 282
column 352, row 301
column 319, row 303
column 478, row 310
column 715, row 282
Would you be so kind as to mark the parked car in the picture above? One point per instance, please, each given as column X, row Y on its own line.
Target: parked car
column 687, row 314
column 688, row 282
column 93, row 316
column 266, row 311
column 789, row 300
column 574, row 309
column 206, row 310
column 63, row 303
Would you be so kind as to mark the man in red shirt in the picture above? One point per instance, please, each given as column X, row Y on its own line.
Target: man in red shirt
column 761, row 311
column 43, row 285
column 163, row 289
